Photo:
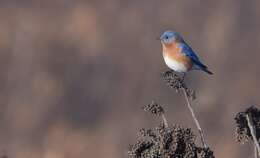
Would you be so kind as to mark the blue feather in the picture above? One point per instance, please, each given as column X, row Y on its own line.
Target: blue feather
column 168, row 37
column 186, row 50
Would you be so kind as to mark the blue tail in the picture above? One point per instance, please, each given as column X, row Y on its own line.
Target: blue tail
column 194, row 58
column 199, row 66
column 207, row 71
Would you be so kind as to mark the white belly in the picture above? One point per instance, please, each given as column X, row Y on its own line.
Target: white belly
column 175, row 65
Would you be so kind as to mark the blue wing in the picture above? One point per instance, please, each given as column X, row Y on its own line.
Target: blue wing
column 186, row 50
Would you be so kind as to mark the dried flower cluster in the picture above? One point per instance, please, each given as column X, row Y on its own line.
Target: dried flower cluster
column 177, row 83
column 242, row 130
column 166, row 142
column 154, row 109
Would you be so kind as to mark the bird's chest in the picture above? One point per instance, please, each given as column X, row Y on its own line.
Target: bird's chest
column 176, row 60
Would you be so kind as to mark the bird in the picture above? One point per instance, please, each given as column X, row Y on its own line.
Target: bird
column 178, row 55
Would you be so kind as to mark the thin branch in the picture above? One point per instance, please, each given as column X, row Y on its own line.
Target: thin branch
column 195, row 119
column 252, row 132
column 177, row 83
column 165, row 121
column 256, row 155
column 156, row 110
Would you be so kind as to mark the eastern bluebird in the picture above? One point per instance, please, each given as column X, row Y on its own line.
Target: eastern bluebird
column 177, row 54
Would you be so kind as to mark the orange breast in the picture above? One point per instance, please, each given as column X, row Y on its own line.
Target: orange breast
column 173, row 52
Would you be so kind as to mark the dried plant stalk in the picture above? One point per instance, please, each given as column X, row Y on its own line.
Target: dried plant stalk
column 157, row 110
column 172, row 141
column 165, row 121
column 195, row 119
column 252, row 132
column 177, row 83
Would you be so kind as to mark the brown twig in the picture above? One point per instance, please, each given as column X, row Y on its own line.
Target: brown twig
column 165, row 141
column 177, row 83
column 164, row 121
column 157, row 110
column 256, row 153
column 194, row 118
column 252, row 132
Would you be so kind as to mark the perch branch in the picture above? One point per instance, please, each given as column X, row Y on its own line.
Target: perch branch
column 195, row 119
column 252, row 131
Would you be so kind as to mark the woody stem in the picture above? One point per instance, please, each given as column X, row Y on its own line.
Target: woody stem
column 252, row 132
column 164, row 121
column 195, row 119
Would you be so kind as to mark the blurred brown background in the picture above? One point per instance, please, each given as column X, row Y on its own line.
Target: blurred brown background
column 74, row 74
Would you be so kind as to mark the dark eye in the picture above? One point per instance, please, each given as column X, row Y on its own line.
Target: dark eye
column 166, row 37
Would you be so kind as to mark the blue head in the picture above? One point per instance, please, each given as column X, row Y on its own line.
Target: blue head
column 168, row 37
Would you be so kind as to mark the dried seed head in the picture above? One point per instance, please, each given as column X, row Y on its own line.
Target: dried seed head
column 242, row 130
column 154, row 109
column 206, row 153
column 171, row 142
column 174, row 81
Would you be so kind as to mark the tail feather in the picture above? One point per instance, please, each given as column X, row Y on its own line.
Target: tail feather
column 207, row 71
column 203, row 68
